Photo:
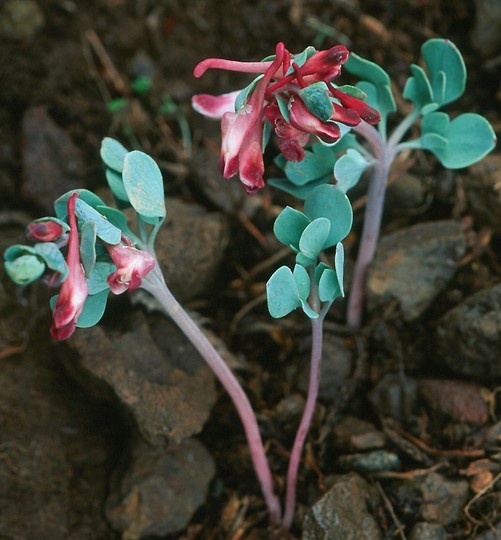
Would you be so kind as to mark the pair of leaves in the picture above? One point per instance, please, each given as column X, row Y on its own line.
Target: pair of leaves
column 287, row 290
column 327, row 220
column 443, row 81
column 134, row 178
column 26, row 264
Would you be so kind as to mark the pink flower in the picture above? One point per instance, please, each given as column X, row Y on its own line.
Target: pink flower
column 281, row 82
column 46, row 230
column 74, row 290
column 132, row 265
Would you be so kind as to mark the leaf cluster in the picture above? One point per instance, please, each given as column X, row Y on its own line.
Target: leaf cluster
column 325, row 222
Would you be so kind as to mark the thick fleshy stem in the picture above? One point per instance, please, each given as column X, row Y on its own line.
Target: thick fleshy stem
column 155, row 284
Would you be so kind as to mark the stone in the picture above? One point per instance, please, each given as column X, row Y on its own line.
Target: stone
column 161, row 489
column 336, row 368
column 190, row 247
column 52, row 163
column 459, row 401
column 20, row 19
column 370, row 462
column 342, row 513
column 427, row 531
column 395, row 396
column 483, row 191
column 469, row 335
column 433, row 498
column 168, row 393
column 352, row 433
column 486, row 37
column 56, row 447
column 413, row 265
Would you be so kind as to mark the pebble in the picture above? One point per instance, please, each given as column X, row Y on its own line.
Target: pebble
column 459, row 401
column 370, row 462
column 483, row 191
column 413, row 265
column 433, row 498
column 342, row 513
column 469, row 335
column 20, row 19
column 427, row 531
column 352, row 433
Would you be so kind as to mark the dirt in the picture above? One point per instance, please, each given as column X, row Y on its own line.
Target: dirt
column 78, row 65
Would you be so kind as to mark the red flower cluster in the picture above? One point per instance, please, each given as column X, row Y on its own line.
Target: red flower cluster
column 132, row 265
column 295, row 94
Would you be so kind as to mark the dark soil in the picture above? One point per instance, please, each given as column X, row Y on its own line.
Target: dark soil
column 78, row 70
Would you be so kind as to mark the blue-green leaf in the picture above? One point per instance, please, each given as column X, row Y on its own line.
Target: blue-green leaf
column 289, row 226
column 330, row 202
column 144, row 184
column 24, row 269
column 104, row 229
column 53, row 258
column 113, row 153
column 243, row 96
column 313, row 167
column 282, row 293
column 93, row 309
column 302, row 281
column 328, row 287
column 314, row 237
column 349, row 168
column 339, row 266
column 446, row 69
column 61, row 204
column 300, row 192
column 116, row 184
column 97, row 281
column 469, row 137
column 418, row 88
column 119, row 219
column 88, row 233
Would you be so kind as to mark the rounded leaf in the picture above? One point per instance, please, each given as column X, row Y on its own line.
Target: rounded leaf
column 104, row 229
column 314, row 237
column 25, row 269
column 93, row 309
column 289, row 226
column 330, row 202
column 113, row 153
column 349, row 168
column 144, row 184
column 460, row 143
column 282, row 293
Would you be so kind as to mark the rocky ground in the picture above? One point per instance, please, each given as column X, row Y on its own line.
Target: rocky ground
column 122, row 432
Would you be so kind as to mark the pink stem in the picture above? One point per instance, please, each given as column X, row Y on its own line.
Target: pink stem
column 304, row 426
column 372, row 220
column 155, row 284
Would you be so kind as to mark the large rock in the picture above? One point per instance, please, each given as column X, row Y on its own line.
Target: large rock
column 469, row 335
column 161, row 489
column 190, row 248
column 413, row 265
column 168, row 393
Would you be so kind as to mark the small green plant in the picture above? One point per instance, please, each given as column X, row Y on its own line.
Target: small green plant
column 457, row 142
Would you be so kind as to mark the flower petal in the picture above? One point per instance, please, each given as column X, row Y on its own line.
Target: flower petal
column 214, row 106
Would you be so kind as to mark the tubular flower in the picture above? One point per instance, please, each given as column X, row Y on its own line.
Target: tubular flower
column 74, row 290
column 275, row 96
column 132, row 265
column 47, row 230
